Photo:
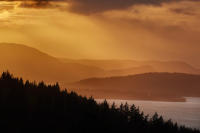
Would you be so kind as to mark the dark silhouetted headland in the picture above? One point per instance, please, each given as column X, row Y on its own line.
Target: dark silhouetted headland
column 149, row 86
column 37, row 107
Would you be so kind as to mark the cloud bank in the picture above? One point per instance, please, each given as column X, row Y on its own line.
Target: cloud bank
column 92, row 6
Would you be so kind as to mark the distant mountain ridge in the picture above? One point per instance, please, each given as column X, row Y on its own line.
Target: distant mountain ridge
column 153, row 86
column 157, row 66
column 34, row 64
column 130, row 71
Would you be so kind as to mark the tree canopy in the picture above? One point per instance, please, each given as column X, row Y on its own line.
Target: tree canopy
column 36, row 107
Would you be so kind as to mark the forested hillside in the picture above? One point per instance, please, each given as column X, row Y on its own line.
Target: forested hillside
column 37, row 107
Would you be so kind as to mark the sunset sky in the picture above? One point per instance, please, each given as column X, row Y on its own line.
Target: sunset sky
column 105, row 29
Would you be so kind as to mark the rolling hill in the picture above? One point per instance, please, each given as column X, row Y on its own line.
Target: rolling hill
column 33, row 64
column 150, row 86
column 130, row 71
column 125, row 65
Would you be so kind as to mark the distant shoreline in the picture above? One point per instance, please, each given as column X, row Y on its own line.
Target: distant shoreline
column 169, row 110
column 110, row 95
column 153, row 100
column 148, row 99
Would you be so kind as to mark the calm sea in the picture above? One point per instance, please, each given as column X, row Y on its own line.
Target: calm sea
column 184, row 113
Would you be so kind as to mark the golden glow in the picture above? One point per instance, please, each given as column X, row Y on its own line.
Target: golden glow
column 167, row 32
column 4, row 15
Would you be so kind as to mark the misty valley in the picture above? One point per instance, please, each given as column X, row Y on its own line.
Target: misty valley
column 153, row 86
column 141, row 80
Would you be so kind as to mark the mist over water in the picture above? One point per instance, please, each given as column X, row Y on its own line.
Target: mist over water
column 184, row 113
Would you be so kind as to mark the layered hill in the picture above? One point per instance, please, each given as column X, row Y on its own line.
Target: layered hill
column 149, row 86
column 33, row 64
column 130, row 71
column 137, row 67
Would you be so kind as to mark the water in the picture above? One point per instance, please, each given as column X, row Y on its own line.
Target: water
column 184, row 113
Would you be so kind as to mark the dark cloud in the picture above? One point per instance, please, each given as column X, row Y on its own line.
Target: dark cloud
column 37, row 3
column 94, row 6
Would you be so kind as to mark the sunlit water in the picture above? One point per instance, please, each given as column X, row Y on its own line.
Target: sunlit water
column 184, row 113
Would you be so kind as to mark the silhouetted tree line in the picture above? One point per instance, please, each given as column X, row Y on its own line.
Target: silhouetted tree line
column 31, row 107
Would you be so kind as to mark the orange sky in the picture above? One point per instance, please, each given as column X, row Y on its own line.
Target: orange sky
column 129, row 30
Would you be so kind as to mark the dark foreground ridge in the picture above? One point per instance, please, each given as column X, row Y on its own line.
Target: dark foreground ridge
column 30, row 107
